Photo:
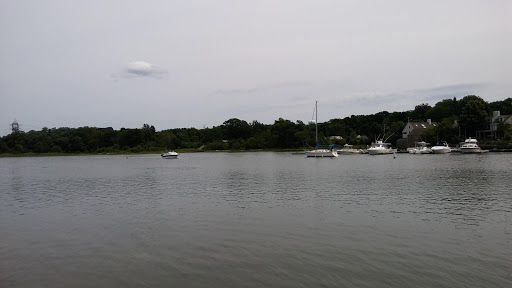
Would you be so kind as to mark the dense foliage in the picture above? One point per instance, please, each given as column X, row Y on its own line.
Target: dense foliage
column 235, row 134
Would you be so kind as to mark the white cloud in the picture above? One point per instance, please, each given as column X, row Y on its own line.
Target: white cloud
column 140, row 69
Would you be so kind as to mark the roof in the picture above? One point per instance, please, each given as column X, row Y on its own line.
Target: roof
column 417, row 127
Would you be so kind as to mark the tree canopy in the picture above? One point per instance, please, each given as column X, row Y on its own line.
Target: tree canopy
column 236, row 134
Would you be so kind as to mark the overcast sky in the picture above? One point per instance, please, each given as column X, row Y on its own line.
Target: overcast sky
column 181, row 64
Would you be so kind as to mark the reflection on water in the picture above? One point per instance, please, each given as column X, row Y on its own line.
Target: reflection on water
column 256, row 219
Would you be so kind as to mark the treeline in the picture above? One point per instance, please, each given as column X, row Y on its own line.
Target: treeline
column 470, row 113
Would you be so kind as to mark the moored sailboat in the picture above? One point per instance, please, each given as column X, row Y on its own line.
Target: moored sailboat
column 320, row 150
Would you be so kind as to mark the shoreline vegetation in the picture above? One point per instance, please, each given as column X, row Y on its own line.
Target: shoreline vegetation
column 127, row 153
column 455, row 120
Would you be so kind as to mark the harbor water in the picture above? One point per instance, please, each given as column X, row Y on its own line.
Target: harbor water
column 259, row 219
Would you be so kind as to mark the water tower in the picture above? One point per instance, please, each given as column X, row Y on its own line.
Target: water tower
column 15, row 126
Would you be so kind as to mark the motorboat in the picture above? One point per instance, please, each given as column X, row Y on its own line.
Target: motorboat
column 420, row 148
column 441, row 148
column 170, row 155
column 321, row 151
column 471, row 146
column 380, row 148
column 348, row 150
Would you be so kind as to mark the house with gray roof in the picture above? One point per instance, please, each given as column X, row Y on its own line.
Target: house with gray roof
column 411, row 133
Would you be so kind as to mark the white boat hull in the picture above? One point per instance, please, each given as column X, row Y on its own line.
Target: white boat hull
column 421, row 151
column 441, row 150
column 170, row 155
column 380, row 151
column 351, row 152
column 472, row 150
column 321, row 153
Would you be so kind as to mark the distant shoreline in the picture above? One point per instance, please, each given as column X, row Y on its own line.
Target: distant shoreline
column 183, row 151
column 491, row 149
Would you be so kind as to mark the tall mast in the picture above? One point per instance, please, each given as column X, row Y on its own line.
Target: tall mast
column 316, row 122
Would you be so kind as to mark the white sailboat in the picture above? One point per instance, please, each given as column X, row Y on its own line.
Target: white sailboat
column 319, row 151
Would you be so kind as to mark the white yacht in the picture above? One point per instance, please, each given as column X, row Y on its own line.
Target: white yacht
column 170, row 155
column 420, row 148
column 471, row 146
column 319, row 151
column 348, row 150
column 379, row 148
column 441, row 148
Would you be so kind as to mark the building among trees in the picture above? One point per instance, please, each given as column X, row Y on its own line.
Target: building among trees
column 495, row 125
column 411, row 133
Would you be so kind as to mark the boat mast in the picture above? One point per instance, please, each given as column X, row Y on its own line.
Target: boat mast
column 316, row 122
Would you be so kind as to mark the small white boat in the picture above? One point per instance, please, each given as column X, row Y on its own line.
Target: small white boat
column 441, row 148
column 170, row 155
column 322, row 153
column 420, row 148
column 348, row 150
column 471, row 146
column 319, row 151
column 380, row 148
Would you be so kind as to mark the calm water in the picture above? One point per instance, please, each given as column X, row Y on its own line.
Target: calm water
column 256, row 220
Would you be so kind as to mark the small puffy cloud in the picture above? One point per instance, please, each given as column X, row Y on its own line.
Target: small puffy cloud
column 140, row 69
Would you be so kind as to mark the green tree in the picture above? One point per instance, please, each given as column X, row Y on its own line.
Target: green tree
column 464, row 101
column 473, row 116
column 148, row 133
column 505, row 106
column 283, row 134
column 3, row 147
column 236, row 128
column 505, row 131
column 166, row 140
column 443, row 109
column 419, row 112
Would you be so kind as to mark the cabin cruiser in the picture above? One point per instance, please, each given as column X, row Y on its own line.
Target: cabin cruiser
column 441, row 148
column 471, row 146
column 348, row 150
column 170, row 155
column 420, row 148
column 379, row 148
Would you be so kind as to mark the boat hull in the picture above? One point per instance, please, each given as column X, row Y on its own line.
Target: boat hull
column 442, row 150
column 421, row 151
column 381, row 151
column 472, row 150
column 170, row 155
column 321, row 153
column 345, row 152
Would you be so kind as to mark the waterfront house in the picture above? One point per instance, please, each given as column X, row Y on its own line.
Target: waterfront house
column 411, row 133
column 491, row 131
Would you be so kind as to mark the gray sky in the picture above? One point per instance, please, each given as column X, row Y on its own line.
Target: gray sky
column 180, row 64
